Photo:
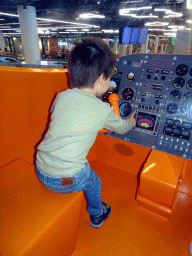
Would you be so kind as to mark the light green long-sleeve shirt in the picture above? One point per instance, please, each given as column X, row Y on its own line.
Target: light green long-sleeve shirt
column 76, row 118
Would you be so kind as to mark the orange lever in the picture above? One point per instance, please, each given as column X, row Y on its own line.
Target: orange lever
column 113, row 99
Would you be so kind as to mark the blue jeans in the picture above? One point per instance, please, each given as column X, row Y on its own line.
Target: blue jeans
column 86, row 180
column 191, row 248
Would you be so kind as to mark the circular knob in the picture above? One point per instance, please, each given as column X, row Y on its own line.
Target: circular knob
column 113, row 99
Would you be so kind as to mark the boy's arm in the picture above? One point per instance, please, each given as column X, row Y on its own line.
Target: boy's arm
column 116, row 124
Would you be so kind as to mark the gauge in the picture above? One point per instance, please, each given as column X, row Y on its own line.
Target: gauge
column 113, row 84
column 188, row 97
column 127, row 94
column 172, row 108
column 181, row 70
column 146, row 121
column 178, row 82
column 175, row 95
column 189, row 84
column 125, row 109
column 115, row 71
column 186, row 110
column 131, row 76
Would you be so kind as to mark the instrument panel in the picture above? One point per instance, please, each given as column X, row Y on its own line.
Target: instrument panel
column 159, row 88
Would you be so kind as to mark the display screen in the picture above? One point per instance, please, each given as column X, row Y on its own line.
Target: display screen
column 126, row 35
column 142, row 36
column 146, row 121
column 134, row 35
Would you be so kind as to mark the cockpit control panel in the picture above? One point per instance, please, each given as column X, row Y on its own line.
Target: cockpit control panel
column 159, row 88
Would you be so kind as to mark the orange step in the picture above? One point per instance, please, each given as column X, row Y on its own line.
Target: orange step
column 159, row 182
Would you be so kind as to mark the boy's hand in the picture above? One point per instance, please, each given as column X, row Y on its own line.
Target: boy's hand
column 132, row 118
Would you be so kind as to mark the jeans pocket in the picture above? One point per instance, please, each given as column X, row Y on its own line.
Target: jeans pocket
column 60, row 188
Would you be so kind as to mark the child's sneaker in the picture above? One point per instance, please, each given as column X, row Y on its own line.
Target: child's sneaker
column 98, row 221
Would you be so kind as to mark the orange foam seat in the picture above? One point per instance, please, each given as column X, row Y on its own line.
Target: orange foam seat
column 33, row 219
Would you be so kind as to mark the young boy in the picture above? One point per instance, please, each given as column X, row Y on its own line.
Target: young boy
column 77, row 116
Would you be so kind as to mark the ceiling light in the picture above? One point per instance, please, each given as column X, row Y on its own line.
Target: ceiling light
column 107, row 30
column 67, row 22
column 95, row 32
column 71, row 30
column 10, row 23
column 173, row 14
column 170, row 34
column 4, row 26
column 110, row 31
column 11, row 33
column 91, row 16
column 7, row 29
column 178, row 27
column 162, row 10
column 169, row 13
column 158, row 24
column 51, row 20
column 161, row 29
column 127, row 10
column 9, row 14
column 145, row 16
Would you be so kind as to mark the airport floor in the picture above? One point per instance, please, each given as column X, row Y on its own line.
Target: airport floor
column 131, row 230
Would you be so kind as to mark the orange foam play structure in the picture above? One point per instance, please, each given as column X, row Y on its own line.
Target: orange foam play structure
column 31, row 215
column 36, row 221
column 159, row 182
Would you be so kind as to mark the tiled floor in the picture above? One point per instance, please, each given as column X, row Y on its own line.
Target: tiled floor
column 131, row 230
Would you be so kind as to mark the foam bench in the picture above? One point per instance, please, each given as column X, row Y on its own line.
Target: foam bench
column 33, row 219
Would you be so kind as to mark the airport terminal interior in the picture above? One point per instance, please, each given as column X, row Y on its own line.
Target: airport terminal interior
column 146, row 173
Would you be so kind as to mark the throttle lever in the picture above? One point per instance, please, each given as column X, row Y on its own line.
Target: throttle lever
column 113, row 99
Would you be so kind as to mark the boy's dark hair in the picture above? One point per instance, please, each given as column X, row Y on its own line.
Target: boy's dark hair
column 88, row 60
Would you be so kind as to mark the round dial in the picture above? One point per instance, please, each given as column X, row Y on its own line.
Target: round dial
column 175, row 95
column 189, row 84
column 125, row 109
column 172, row 108
column 178, row 82
column 181, row 70
column 115, row 71
column 131, row 76
column 127, row 94
column 188, row 97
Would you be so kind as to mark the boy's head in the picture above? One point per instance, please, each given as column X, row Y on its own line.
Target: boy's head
column 88, row 60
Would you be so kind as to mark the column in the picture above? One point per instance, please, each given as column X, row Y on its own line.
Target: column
column 29, row 34
column 106, row 41
column 130, row 49
column 122, row 49
column 162, row 47
column 2, row 41
column 166, row 47
column 115, row 47
column 144, row 47
column 156, row 44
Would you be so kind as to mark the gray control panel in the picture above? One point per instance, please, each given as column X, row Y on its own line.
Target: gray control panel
column 159, row 88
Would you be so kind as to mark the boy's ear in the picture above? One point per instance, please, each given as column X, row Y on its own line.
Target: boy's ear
column 101, row 79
